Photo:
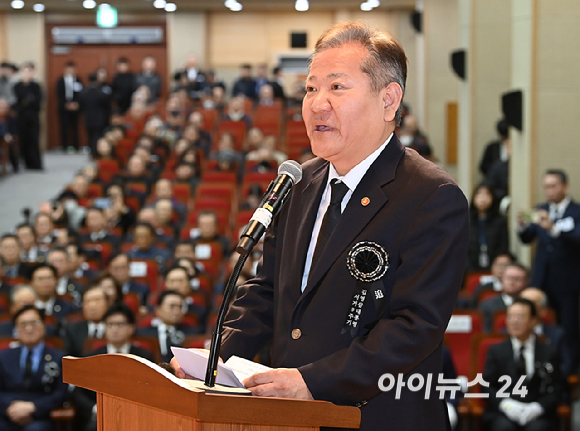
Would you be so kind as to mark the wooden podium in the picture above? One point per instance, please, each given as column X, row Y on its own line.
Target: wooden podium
column 136, row 395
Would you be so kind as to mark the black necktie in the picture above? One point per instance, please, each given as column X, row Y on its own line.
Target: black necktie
column 338, row 191
column 521, row 363
column 27, row 379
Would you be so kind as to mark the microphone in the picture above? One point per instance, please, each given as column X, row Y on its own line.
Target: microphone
column 289, row 174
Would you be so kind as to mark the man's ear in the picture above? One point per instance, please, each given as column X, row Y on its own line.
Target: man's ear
column 392, row 96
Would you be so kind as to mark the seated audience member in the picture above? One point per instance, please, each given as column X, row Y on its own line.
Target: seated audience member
column 119, row 267
column 266, row 95
column 136, row 172
column 43, row 280
column 194, row 269
column 80, row 187
column 252, row 201
column 164, row 190
column 207, row 223
column 31, row 383
column 168, row 325
column 179, row 280
column 514, row 280
column 148, row 215
column 226, row 155
column 113, row 289
column 236, row 112
column 10, row 257
column 196, row 120
column 119, row 321
column 522, row 354
column 20, row 296
column 119, row 214
column 493, row 281
column 105, row 150
column 164, row 215
column 97, row 227
column 95, row 303
column 254, row 139
column 412, row 137
column 144, row 247
column 553, row 334
column 187, row 173
column 30, row 253
column 489, row 232
column 44, row 230
column 59, row 258
column 79, row 268
column 185, row 249
column 267, row 152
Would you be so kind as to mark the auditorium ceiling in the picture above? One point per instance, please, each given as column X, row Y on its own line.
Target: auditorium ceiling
column 206, row 5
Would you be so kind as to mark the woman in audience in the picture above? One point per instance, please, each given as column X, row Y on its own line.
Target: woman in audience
column 119, row 214
column 111, row 287
column 489, row 234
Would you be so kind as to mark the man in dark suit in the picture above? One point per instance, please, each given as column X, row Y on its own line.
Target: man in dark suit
column 123, row 85
column 555, row 227
column 94, row 308
column 20, row 296
column 10, row 257
column 28, row 100
column 168, row 325
column 29, row 251
column 68, row 89
column 514, row 280
column 31, row 383
column 144, row 247
column 119, row 267
column 43, row 280
column 120, row 327
column 523, row 354
column 497, row 150
column 395, row 206
column 59, row 258
column 96, row 104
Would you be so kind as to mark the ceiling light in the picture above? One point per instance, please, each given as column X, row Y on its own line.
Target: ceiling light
column 374, row 3
column 38, row 7
column 301, row 5
column 366, row 6
column 159, row 4
column 170, row 7
column 230, row 3
column 236, row 7
column 89, row 4
column 17, row 4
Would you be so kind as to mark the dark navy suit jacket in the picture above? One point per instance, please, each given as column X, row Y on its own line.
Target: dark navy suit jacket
column 47, row 392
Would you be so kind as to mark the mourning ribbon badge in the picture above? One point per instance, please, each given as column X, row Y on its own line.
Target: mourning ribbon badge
column 367, row 262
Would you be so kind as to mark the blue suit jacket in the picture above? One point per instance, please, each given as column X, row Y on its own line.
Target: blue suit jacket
column 47, row 392
column 560, row 254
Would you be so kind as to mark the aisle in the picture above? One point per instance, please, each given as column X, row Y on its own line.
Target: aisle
column 31, row 188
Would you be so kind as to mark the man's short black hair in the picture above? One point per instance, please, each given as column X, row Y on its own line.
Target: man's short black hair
column 9, row 235
column 122, row 60
column 179, row 267
column 246, row 66
column 147, row 225
column 80, row 250
column 43, row 265
column 503, row 128
column 120, row 308
column 518, row 265
column 93, row 77
column 70, row 63
column 24, row 225
column 58, row 248
column 26, row 308
column 527, row 302
column 560, row 173
column 118, row 254
column 165, row 294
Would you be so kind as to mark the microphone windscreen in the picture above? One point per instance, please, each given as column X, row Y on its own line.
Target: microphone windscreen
column 291, row 168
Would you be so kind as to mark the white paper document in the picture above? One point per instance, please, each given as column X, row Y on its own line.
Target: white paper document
column 231, row 373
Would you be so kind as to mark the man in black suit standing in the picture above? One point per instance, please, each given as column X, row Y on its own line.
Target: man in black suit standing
column 555, row 227
column 123, row 85
column 28, row 100
column 68, row 89
column 96, row 104
column 392, row 209
column 95, row 303
column 496, row 151
column 523, row 354
column 31, row 383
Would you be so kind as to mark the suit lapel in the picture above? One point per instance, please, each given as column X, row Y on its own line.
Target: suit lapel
column 356, row 216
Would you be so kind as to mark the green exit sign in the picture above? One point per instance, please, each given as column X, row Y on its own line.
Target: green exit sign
column 106, row 16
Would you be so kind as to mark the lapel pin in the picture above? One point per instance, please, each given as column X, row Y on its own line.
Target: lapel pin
column 365, row 201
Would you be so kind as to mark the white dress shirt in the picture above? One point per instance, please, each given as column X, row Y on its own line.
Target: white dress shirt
column 96, row 330
column 125, row 348
column 351, row 179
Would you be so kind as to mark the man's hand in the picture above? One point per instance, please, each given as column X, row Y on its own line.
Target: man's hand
column 179, row 373
column 281, row 382
column 20, row 412
column 544, row 220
